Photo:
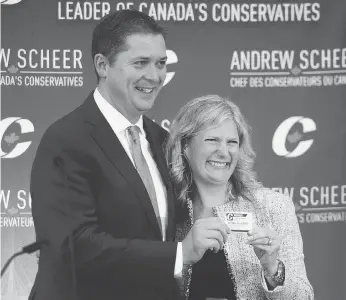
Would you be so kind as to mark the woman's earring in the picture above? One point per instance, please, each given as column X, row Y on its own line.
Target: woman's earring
column 185, row 148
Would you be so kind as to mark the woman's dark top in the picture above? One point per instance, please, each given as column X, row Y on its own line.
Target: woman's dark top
column 210, row 278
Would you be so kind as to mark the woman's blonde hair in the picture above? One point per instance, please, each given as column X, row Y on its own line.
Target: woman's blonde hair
column 196, row 116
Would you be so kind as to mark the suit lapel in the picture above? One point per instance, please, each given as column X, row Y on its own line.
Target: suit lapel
column 111, row 146
column 156, row 144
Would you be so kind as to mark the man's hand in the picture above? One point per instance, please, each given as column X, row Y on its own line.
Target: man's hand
column 208, row 233
column 38, row 255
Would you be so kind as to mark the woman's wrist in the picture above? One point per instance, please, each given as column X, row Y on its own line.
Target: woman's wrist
column 278, row 278
column 271, row 269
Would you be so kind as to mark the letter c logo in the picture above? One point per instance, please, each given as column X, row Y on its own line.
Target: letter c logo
column 172, row 58
column 10, row 2
column 26, row 127
column 281, row 133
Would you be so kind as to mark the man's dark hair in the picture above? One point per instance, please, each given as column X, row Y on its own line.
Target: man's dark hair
column 109, row 36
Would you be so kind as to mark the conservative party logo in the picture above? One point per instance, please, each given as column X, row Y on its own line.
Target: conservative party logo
column 172, row 58
column 10, row 2
column 12, row 135
column 288, row 135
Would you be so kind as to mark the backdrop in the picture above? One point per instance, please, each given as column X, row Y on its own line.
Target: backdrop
column 282, row 62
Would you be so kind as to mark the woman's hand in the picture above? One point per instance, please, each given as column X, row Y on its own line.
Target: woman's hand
column 266, row 243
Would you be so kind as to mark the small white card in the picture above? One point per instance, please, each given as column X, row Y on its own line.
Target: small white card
column 236, row 220
column 239, row 221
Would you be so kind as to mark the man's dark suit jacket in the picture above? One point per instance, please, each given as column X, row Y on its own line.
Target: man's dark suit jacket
column 90, row 204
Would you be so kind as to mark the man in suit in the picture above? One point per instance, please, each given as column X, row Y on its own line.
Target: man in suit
column 101, row 192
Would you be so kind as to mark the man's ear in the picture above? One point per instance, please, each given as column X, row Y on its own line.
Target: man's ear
column 101, row 64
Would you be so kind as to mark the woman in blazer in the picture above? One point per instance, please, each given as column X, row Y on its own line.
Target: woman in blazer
column 210, row 159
